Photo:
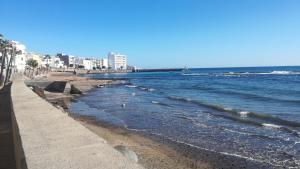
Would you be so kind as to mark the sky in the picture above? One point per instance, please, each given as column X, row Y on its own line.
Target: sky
column 160, row 33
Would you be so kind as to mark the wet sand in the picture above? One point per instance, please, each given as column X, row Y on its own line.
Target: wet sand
column 152, row 154
column 160, row 153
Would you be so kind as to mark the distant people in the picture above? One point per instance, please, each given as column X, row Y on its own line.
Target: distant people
column 74, row 73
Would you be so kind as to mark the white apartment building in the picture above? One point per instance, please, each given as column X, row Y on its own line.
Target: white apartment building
column 20, row 59
column 72, row 61
column 57, row 63
column 47, row 61
column 117, row 61
column 104, row 63
column 88, row 64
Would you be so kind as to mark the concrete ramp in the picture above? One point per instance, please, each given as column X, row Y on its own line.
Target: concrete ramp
column 53, row 140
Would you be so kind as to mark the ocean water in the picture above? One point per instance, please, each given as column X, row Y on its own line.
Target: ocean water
column 253, row 113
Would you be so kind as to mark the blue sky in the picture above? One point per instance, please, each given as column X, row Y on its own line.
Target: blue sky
column 160, row 33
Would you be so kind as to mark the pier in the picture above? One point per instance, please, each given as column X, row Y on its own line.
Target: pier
column 159, row 70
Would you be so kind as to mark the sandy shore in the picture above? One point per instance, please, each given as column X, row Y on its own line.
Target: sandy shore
column 152, row 154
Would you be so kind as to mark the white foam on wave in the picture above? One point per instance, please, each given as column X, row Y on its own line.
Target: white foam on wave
column 261, row 73
column 244, row 114
column 271, row 125
column 151, row 89
column 138, row 130
column 194, row 74
column 277, row 73
column 281, row 72
column 131, row 86
column 187, row 99
column 297, row 142
column 154, row 102
column 228, row 109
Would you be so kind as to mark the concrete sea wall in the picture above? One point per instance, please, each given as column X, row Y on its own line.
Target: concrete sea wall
column 43, row 137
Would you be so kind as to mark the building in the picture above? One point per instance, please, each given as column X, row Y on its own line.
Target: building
column 65, row 58
column 57, row 62
column 116, row 61
column 20, row 58
column 72, row 61
column 78, row 62
column 88, row 64
column 104, row 63
column 47, row 61
column 36, row 57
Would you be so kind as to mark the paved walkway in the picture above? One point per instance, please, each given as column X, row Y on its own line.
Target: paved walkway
column 53, row 140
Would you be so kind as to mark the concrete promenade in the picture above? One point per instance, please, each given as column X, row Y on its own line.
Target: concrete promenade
column 53, row 140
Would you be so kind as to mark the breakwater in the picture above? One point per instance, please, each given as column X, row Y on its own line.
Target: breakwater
column 159, row 70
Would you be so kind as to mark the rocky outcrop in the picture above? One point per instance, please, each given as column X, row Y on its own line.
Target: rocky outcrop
column 74, row 90
column 39, row 91
column 56, row 87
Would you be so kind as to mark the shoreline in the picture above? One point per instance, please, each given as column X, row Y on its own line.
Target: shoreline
column 151, row 154
column 153, row 151
column 161, row 153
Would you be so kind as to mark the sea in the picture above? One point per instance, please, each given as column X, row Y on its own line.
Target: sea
column 247, row 112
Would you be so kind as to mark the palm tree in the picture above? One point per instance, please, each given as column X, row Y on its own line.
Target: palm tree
column 13, row 52
column 32, row 63
column 6, row 49
column 3, row 51
column 47, row 58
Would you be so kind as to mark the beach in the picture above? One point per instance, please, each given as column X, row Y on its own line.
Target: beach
column 151, row 154
column 154, row 152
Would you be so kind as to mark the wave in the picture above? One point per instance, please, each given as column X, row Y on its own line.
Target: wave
column 195, row 74
column 258, row 97
column 184, row 117
column 131, row 86
column 264, row 73
column 140, row 87
column 154, row 102
column 239, row 115
column 262, row 93
column 271, row 125
column 280, row 72
column 245, row 95
column 283, row 72
column 159, row 103
column 244, row 114
column 145, row 88
column 177, row 141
